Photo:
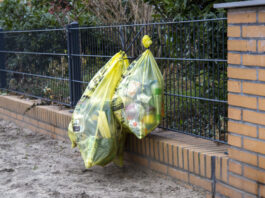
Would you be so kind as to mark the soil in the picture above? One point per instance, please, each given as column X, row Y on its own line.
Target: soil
column 34, row 165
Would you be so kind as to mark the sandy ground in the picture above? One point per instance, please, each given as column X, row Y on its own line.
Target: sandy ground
column 34, row 165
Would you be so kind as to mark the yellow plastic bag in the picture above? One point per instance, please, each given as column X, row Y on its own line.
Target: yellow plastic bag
column 93, row 127
column 137, row 103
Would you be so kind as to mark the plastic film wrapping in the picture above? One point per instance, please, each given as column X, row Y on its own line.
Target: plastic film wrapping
column 93, row 127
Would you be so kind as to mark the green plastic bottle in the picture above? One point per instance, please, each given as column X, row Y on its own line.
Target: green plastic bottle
column 157, row 94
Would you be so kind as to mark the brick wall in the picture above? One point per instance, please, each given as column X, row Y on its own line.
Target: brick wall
column 192, row 160
column 246, row 99
column 48, row 120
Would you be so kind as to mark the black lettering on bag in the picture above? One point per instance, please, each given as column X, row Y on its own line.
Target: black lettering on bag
column 117, row 107
column 76, row 128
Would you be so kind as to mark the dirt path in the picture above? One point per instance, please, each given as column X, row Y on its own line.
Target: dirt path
column 33, row 165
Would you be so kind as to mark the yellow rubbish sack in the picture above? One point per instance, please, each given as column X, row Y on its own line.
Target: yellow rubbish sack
column 137, row 103
column 93, row 127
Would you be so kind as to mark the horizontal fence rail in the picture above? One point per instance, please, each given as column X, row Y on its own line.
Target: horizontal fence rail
column 57, row 64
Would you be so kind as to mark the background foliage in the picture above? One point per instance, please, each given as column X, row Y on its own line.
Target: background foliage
column 186, row 41
column 33, row 14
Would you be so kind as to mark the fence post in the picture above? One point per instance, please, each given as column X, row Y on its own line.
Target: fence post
column 2, row 61
column 74, row 63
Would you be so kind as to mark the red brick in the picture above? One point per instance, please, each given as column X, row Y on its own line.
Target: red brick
column 175, row 156
column 180, row 157
column 139, row 146
column 41, row 114
column 61, row 132
column 261, row 17
column 52, row 115
column 170, row 153
column 246, row 195
column 47, row 127
column 254, row 60
column 13, row 115
column 181, row 175
column 161, row 153
column 198, row 181
column 196, row 162
column 156, row 149
column 158, row 167
column 224, row 169
column 254, row 117
column 227, row 191
column 254, row 145
column 208, row 166
column 20, row 117
column 262, row 162
column 44, row 132
column 138, row 159
column 242, row 129
column 234, row 58
column 233, row 31
column 22, row 106
column 234, row 86
column 152, row 152
column 241, row 45
column 130, row 137
column 261, row 46
column 261, row 74
column 191, row 168
column 255, row 174
column 243, row 184
column 234, row 113
column 242, row 101
column 185, row 158
column 218, row 168
column 202, row 164
column 235, row 167
column 254, row 88
column 31, row 121
column 239, row 73
column 262, row 190
column 62, row 119
column 241, row 17
column 4, row 111
column 8, row 113
column 234, row 140
column 262, row 104
column 262, row 133
column 47, row 114
column 243, row 156
column 134, row 144
column 53, row 135
column 166, row 152
column 253, row 31
column 147, row 146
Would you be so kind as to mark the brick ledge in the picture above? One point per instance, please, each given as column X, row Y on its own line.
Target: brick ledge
column 192, row 160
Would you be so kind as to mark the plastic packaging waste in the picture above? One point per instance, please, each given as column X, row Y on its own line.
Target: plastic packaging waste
column 137, row 103
column 93, row 128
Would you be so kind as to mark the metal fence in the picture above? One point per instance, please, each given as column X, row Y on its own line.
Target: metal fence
column 57, row 64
